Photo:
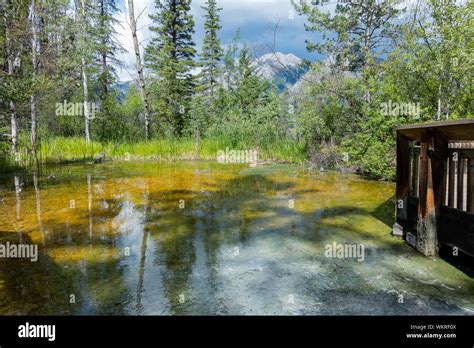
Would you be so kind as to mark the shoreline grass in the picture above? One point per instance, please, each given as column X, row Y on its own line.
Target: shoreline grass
column 61, row 150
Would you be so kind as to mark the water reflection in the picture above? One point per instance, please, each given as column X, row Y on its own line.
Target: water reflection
column 202, row 238
column 89, row 203
column 38, row 205
column 17, row 184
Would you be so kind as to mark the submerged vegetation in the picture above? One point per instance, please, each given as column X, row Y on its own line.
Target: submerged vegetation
column 230, row 250
column 385, row 64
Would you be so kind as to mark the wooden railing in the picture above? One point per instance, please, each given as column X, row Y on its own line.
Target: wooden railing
column 459, row 180
column 414, row 171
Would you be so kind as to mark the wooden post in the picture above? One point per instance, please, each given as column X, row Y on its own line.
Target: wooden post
column 452, row 200
column 415, row 172
column 460, row 188
column 446, row 182
column 470, row 186
column 403, row 183
column 432, row 162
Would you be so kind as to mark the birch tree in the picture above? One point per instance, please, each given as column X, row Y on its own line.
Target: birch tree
column 34, row 45
column 14, row 30
column 84, row 65
column 139, row 68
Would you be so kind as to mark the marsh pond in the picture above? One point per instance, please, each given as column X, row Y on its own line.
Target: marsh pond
column 185, row 238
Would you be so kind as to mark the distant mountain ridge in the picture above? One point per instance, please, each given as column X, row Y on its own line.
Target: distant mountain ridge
column 282, row 70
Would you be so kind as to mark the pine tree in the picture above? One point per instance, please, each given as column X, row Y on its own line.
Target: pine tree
column 14, row 85
column 212, row 52
column 106, row 49
column 170, row 55
column 355, row 33
column 250, row 88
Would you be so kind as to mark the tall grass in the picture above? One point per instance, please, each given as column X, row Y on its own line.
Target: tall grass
column 63, row 150
column 7, row 164
column 7, row 160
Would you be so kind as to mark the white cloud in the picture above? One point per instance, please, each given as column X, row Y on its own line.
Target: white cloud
column 255, row 18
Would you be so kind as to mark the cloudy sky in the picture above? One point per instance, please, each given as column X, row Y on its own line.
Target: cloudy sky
column 256, row 20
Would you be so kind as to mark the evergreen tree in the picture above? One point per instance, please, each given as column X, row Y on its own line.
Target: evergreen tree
column 107, row 45
column 362, row 30
column 106, row 50
column 250, row 88
column 211, row 51
column 170, row 56
column 14, row 85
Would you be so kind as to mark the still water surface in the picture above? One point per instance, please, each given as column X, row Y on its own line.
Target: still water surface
column 143, row 238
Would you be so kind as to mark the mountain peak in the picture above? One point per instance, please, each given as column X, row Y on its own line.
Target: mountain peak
column 280, row 60
column 283, row 69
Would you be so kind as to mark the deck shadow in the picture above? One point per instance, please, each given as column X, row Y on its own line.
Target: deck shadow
column 462, row 262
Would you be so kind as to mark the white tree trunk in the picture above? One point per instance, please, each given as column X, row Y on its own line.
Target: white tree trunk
column 13, row 116
column 16, row 180
column 85, row 83
column 34, row 45
column 85, row 86
column 139, row 68
column 14, row 131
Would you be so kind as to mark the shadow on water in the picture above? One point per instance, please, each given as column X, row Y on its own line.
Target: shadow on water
column 462, row 261
column 386, row 212
column 26, row 286
column 186, row 244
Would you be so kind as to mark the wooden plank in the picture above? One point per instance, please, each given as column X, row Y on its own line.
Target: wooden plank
column 452, row 202
column 446, row 183
column 460, row 183
column 433, row 125
column 414, row 177
column 403, row 182
column 410, row 172
column 461, row 145
column 470, row 187
column 455, row 229
column 432, row 161
column 417, row 174
column 465, row 182
column 458, row 130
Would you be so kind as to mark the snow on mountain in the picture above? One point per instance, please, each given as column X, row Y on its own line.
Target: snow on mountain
column 284, row 70
column 271, row 64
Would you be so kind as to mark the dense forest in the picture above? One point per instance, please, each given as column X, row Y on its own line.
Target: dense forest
column 386, row 63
